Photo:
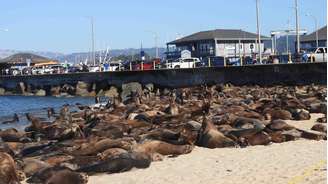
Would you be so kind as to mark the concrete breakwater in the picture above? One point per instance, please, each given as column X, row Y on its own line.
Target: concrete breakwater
column 110, row 83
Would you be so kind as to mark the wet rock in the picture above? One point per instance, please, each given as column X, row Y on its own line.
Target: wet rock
column 127, row 89
column 82, row 89
column 40, row 92
column 149, row 87
column 2, row 91
column 112, row 92
column 55, row 90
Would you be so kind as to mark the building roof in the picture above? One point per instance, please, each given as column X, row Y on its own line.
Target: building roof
column 322, row 35
column 219, row 34
column 22, row 57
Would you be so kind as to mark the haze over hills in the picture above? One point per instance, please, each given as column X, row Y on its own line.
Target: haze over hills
column 78, row 56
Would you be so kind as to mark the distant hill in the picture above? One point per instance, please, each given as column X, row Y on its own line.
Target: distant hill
column 76, row 57
column 23, row 57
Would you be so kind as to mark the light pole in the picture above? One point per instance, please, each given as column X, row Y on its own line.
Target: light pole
column 316, row 28
column 93, row 54
column 156, row 42
column 258, row 29
column 297, row 28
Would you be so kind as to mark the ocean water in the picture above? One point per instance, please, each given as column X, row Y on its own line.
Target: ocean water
column 9, row 105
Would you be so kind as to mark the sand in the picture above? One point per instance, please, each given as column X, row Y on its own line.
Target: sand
column 295, row 162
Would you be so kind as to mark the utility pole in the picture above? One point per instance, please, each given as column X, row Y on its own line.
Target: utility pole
column 287, row 36
column 258, row 29
column 93, row 42
column 297, row 28
column 316, row 28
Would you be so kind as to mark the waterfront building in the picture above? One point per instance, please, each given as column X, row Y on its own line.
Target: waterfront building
column 218, row 42
column 310, row 41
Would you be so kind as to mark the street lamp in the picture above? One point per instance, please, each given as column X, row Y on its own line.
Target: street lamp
column 316, row 28
column 156, row 42
column 258, row 29
column 93, row 58
column 297, row 27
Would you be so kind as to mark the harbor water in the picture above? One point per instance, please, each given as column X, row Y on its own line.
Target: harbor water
column 9, row 105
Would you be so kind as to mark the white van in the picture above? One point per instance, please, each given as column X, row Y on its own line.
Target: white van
column 183, row 63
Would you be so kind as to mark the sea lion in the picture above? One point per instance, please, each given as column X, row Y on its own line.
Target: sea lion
column 121, row 163
column 67, row 177
column 43, row 175
column 279, row 124
column 273, row 114
column 111, row 152
column 320, row 128
column 102, row 145
column 210, row 137
column 163, row 148
column 8, row 174
column 301, row 114
column 15, row 119
column 13, row 135
column 260, row 138
column 32, row 165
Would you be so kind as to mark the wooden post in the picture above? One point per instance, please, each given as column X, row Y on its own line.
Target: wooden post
column 289, row 58
column 209, row 62
column 225, row 62
column 167, row 64
column 311, row 57
column 142, row 65
column 154, row 64
column 130, row 66
column 241, row 60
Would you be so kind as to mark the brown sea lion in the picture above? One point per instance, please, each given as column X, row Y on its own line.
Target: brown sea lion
column 273, row 114
column 43, row 175
column 320, row 128
column 8, row 173
column 111, row 152
column 163, row 148
column 121, row 163
column 260, row 138
column 301, row 114
column 210, row 137
column 32, row 165
column 102, row 145
column 67, row 177
column 277, row 136
column 15, row 119
column 279, row 125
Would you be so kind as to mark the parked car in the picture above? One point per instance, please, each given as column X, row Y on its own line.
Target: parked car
column 147, row 65
column 213, row 61
column 316, row 54
column 183, row 63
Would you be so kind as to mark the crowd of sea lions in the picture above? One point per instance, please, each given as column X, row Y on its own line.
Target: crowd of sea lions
column 118, row 136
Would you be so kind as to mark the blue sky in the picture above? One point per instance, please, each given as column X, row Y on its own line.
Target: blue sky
column 63, row 26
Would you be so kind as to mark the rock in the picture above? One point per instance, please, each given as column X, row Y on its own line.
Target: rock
column 127, row 89
column 55, row 90
column 112, row 92
column 68, row 89
column 40, row 92
column 101, row 93
column 2, row 91
column 149, row 87
column 22, row 87
column 82, row 89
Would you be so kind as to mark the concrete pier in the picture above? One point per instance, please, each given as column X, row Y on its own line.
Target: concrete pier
column 288, row 74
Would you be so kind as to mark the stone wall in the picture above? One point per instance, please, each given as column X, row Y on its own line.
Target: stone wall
column 90, row 84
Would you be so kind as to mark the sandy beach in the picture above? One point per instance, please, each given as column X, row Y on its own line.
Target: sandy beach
column 295, row 162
